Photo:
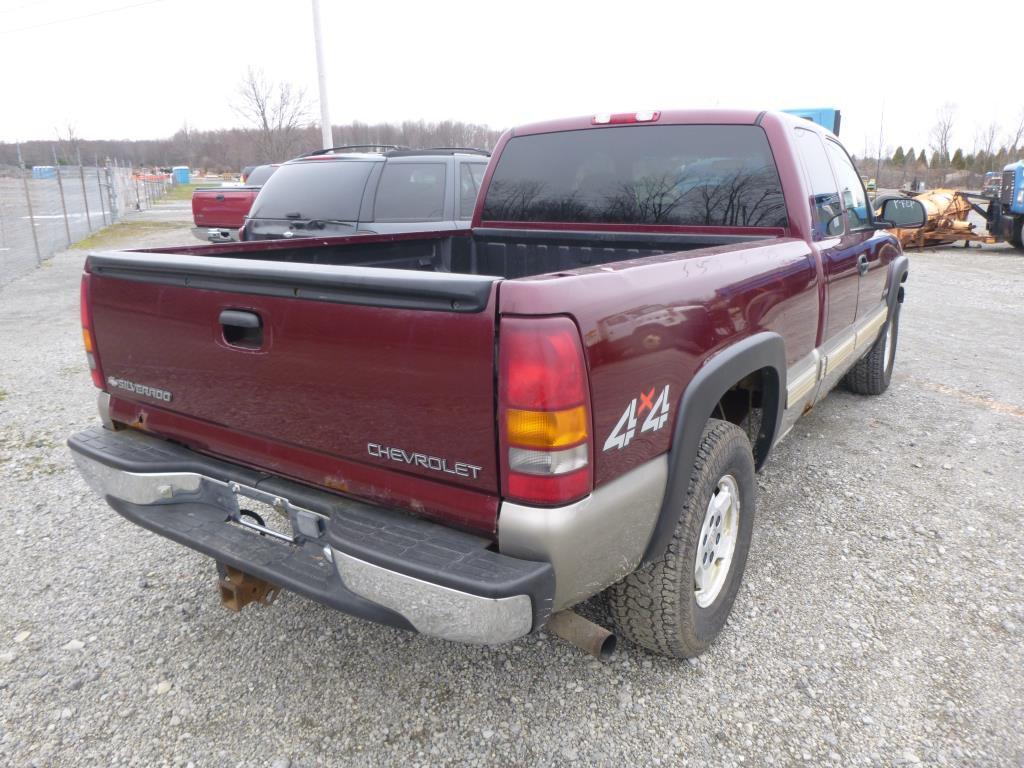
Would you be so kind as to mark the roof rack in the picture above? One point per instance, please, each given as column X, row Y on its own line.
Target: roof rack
column 352, row 147
column 403, row 151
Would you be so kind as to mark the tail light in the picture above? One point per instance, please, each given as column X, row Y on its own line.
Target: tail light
column 88, row 339
column 544, row 411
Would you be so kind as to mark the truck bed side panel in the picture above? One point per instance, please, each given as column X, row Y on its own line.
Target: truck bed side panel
column 671, row 312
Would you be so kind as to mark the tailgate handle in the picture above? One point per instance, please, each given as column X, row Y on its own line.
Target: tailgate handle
column 220, row 197
column 240, row 319
column 242, row 329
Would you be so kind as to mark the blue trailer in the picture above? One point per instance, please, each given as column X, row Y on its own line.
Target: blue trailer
column 827, row 117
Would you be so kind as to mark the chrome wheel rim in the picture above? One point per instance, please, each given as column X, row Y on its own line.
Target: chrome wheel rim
column 717, row 542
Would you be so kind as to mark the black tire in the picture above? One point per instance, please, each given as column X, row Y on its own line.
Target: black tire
column 872, row 373
column 1017, row 233
column 656, row 606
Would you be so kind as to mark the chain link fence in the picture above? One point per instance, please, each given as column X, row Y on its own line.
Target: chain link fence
column 45, row 209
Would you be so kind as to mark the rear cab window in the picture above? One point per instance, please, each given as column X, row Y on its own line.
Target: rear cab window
column 698, row 175
column 411, row 192
column 329, row 190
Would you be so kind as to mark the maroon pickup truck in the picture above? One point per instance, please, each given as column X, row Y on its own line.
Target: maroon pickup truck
column 467, row 433
column 219, row 212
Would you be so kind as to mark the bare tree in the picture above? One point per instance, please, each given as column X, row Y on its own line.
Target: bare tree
column 68, row 143
column 942, row 132
column 183, row 142
column 1013, row 141
column 985, row 139
column 278, row 111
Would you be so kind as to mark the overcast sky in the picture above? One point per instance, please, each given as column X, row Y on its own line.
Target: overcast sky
column 135, row 69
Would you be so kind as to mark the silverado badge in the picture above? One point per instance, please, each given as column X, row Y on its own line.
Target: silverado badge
column 139, row 389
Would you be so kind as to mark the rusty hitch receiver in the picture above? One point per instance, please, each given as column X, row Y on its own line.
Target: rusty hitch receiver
column 238, row 588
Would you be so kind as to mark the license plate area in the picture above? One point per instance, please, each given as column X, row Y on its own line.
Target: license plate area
column 262, row 518
column 273, row 516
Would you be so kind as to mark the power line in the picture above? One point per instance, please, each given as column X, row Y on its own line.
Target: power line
column 34, row 3
column 78, row 18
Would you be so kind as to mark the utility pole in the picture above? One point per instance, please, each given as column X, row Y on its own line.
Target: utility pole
column 325, row 118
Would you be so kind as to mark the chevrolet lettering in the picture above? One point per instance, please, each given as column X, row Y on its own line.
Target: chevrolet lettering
column 434, row 463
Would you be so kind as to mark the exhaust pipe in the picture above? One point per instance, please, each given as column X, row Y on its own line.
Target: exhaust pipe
column 583, row 633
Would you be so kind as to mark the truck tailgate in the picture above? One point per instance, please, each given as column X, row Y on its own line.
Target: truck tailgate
column 224, row 207
column 385, row 376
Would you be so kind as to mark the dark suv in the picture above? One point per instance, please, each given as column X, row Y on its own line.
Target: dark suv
column 363, row 189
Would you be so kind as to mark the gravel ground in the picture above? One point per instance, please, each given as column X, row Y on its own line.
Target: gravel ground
column 881, row 621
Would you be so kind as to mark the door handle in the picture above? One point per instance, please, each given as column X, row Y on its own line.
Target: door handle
column 240, row 319
column 862, row 264
column 241, row 329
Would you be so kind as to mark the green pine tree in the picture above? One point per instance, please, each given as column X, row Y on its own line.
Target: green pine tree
column 922, row 159
column 898, row 157
column 958, row 160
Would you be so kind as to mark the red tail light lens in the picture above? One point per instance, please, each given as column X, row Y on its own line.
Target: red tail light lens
column 88, row 339
column 544, row 411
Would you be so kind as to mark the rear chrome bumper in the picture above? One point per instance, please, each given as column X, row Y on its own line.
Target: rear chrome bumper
column 372, row 562
column 215, row 234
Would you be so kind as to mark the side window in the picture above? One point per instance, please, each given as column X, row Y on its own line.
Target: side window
column 472, row 176
column 410, row 192
column 858, row 216
column 825, row 205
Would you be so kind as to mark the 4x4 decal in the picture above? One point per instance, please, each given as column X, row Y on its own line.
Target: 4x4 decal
column 657, row 417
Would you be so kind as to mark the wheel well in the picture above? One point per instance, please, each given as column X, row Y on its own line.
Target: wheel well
column 744, row 404
column 764, row 353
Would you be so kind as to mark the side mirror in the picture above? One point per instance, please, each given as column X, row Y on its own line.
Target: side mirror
column 901, row 213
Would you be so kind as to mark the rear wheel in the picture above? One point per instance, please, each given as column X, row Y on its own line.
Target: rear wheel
column 1017, row 234
column 677, row 605
column 872, row 373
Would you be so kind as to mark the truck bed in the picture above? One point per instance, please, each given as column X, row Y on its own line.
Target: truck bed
column 504, row 253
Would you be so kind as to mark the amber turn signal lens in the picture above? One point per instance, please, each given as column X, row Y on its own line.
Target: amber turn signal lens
column 546, row 429
column 87, row 340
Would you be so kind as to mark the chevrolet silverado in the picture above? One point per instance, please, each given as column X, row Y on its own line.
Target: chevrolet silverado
column 466, row 433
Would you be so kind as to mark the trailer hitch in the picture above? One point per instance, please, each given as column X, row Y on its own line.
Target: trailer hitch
column 238, row 588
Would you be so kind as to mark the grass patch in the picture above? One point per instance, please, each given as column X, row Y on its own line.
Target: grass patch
column 184, row 191
column 125, row 230
column 3, row 394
